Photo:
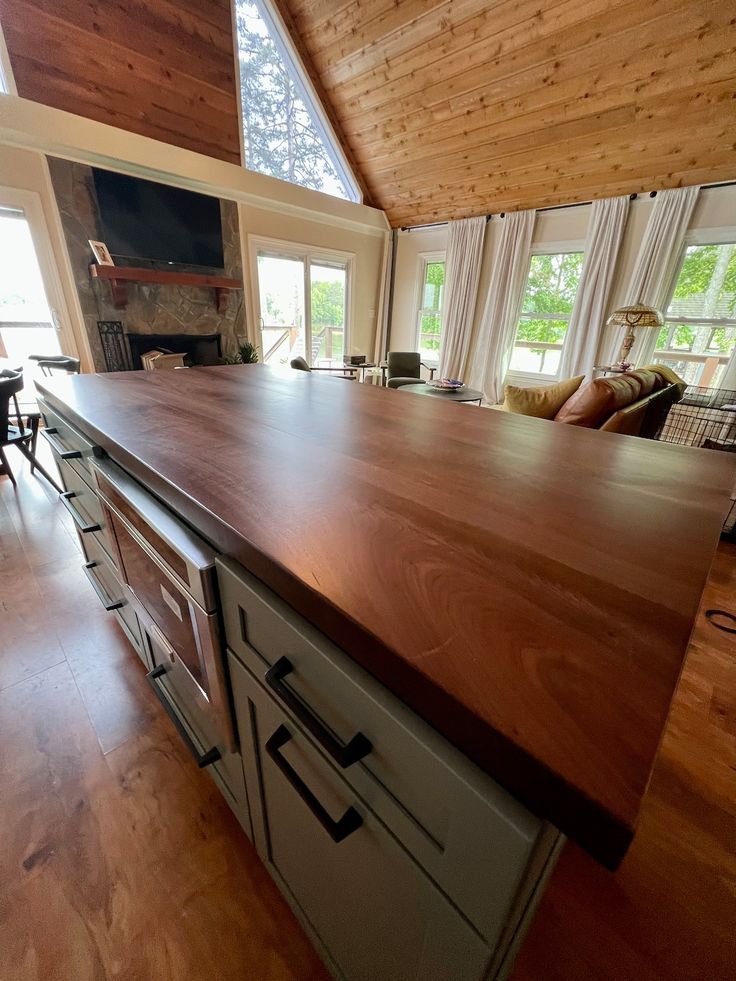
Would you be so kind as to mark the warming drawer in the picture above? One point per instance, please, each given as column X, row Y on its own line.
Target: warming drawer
column 170, row 570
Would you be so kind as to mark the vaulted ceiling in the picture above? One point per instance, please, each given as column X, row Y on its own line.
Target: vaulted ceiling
column 457, row 107
column 446, row 108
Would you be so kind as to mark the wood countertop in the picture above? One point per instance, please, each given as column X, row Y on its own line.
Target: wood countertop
column 528, row 588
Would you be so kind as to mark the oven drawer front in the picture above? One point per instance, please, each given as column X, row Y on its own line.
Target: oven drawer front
column 190, row 634
column 463, row 828
column 66, row 440
column 187, row 628
column 369, row 904
column 186, row 557
column 174, row 685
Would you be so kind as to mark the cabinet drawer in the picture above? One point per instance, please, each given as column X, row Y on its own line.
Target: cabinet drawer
column 371, row 907
column 463, row 828
column 66, row 440
column 105, row 581
column 175, row 686
column 81, row 500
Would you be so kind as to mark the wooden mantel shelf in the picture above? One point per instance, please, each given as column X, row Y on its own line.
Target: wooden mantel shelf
column 120, row 276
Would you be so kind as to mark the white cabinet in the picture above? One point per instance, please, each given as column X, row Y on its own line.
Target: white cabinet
column 402, row 858
column 372, row 909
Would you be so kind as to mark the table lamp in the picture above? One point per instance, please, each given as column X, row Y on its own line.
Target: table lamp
column 638, row 315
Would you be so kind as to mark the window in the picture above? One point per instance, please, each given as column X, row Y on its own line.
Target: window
column 429, row 307
column 303, row 299
column 549, row 295
column 286, row 133
column 699, row 333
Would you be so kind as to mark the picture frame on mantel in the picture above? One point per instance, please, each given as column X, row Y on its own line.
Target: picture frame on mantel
column 101, row 253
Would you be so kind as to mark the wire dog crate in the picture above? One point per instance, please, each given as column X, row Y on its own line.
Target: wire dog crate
column 705, row 417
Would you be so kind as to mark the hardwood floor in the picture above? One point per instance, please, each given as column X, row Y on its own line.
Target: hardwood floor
column 118, row 858
column 670, row 910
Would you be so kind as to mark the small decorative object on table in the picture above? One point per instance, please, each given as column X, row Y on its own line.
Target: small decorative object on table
column 354, row 359
column 447, row 384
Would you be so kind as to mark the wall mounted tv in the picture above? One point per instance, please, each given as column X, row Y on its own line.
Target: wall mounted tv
column 143, row 220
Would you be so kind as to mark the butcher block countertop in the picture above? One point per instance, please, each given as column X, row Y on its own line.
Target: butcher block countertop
column 527, row 588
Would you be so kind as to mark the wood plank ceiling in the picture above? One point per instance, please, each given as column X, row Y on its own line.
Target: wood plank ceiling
column 458, row 107
column 161, row 68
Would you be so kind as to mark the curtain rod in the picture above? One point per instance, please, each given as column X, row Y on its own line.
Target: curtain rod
column 555, row 207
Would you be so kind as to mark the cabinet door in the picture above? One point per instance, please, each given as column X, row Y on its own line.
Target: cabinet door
column 369, row 904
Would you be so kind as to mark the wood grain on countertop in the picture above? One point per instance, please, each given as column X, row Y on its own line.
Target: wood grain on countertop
column 528, row 588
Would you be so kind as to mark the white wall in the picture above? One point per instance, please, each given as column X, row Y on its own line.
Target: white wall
column 268, row 207
column 716, row 209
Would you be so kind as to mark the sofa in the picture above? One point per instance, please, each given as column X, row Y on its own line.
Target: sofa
column 634, row 403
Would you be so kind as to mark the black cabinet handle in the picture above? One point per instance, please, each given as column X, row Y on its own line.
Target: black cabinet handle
column 58, row 448
column 105, row 600
column 337, row 830
column 202, row 760
column 358, row 747
column 84, row 526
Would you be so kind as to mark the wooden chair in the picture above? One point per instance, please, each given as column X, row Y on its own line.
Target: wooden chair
column 15, row 433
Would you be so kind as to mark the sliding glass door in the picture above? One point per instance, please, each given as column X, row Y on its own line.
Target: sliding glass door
column 303, row 305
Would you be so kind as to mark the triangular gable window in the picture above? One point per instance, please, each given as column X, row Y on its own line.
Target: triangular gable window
column 285, row 131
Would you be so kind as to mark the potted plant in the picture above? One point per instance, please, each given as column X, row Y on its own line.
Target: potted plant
column 247, row 353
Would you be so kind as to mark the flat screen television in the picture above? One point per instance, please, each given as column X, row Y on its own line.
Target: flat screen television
column 143, row 220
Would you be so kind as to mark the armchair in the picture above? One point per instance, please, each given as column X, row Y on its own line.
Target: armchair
column 404, row 368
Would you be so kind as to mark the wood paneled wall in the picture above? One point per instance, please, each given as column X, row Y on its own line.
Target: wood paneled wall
column 447, row 108
column 161, row 68
column 457, row 107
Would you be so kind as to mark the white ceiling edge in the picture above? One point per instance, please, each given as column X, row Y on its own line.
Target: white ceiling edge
column 31, row 126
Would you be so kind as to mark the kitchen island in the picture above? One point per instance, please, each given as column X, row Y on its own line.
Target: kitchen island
column 522, row 591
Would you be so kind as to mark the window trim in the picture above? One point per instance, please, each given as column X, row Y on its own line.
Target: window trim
column 7, row 79
column 724, row 235
column 544, row 248
column 308, row 254
column 423, row 260
column 281, row 37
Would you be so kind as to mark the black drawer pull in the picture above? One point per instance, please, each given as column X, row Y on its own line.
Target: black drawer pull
column 58, row 448
column 358, row 747
column 84, row 526
column 105, row 600
column 337, row 830
column 203, row 760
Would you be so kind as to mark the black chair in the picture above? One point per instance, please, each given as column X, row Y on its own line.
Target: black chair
column 405, row 368
column 15, row 433
column 347, row 371
column 49, row 363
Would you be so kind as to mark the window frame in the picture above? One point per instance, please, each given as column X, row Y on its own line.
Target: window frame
column 308, row 254
column 282, row 39
column 425, row 259
column 544, row 248
column 711, row 363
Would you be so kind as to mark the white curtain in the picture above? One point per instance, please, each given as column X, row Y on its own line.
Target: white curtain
column 603, row 240
column 656, row 266
column 462, row 275
column 501, row 313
